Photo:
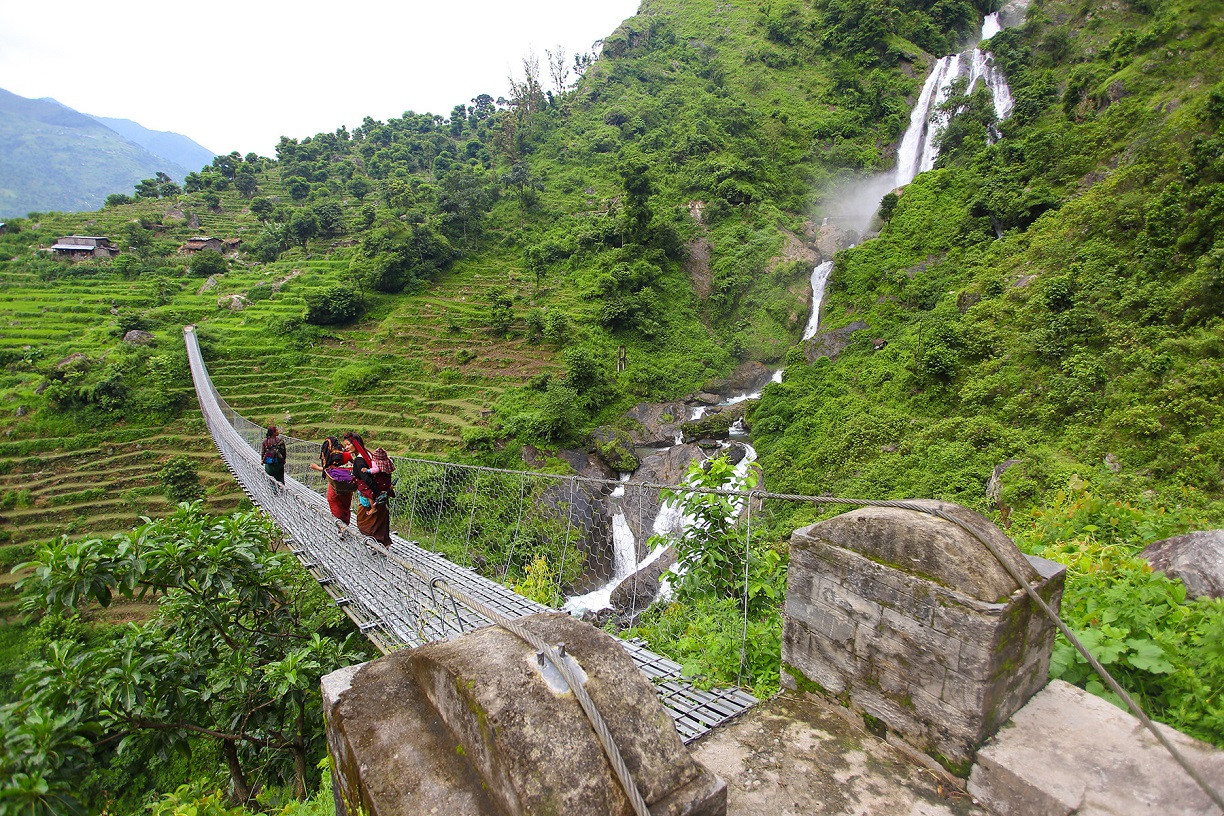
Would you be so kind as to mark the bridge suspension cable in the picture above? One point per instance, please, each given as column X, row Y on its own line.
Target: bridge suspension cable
column 397, row 607
column 404, row 608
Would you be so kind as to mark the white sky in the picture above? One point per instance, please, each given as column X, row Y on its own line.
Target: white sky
column 239, row 75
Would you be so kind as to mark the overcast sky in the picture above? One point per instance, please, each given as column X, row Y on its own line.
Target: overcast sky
column 239, row 75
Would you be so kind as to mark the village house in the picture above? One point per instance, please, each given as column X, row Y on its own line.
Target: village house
column 227, row 246
column 202, row 242
column 85, row 246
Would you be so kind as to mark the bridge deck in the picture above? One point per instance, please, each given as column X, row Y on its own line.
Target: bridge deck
column 391, row 598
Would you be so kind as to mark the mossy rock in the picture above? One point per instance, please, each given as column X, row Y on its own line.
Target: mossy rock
column 615, row 447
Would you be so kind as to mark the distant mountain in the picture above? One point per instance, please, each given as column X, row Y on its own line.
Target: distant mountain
column 173, row 146
column 54, row 158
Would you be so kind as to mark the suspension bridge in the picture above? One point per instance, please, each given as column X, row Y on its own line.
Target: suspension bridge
column 407, row 595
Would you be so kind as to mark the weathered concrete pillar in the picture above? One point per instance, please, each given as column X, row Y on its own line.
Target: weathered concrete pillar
column 909, row 620
column 476, row 726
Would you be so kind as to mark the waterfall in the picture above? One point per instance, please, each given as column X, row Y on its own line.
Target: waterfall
column 624, row 560
column 919, row 146
column 820, row 277
column 624, row 547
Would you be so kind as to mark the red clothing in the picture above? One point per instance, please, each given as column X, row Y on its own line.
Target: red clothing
column 341, row 503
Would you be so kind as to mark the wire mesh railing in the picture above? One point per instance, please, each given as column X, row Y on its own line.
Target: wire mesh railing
column 480, row 531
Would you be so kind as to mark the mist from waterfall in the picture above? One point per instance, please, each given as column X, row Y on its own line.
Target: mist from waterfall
column 856, row 201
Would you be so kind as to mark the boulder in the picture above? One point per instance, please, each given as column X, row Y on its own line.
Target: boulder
column 138, row 337
column 235, row 303
column 715, row 424
column 208, row 285
column 748, row 377
column 659, row 422
column 587, row 464
column 667, row 467
column 832, row 342
column 615, row 447
column 1196, row 559
column 995, row 483
column 639, row 590
column 641, row 504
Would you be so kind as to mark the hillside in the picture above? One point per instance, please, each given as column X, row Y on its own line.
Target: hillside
column 173, row 147
column 670, row 203
column 1032, row 328
column 58, row 159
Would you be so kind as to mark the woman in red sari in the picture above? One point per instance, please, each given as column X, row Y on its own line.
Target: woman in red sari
column 373, row 511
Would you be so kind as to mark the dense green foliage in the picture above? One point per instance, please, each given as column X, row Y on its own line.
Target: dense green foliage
column 231, row 659
column 724, row 624
column 1049, row 301
column 1047, row 298
column 1167, row 650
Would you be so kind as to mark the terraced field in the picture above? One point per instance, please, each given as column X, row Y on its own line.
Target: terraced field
column 411, row 377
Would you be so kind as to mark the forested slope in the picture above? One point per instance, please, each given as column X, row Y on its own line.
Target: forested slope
column 1053, row 297
column 1044, row 305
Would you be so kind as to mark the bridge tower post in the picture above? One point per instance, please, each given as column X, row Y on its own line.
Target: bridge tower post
column 910, row 621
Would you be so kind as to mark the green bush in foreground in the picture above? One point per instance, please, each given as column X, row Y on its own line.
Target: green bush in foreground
column 1166, row 650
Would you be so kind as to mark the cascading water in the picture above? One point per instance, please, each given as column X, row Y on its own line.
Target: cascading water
column 858, row 201
column 920, row 145
column 820, row 277
column 916, row 153
column 624, row 559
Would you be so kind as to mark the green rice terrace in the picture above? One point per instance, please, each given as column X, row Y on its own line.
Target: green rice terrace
column 413, row 374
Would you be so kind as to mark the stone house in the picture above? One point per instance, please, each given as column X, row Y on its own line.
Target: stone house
column 197, row 244
column 85, row 246
column 227, row 246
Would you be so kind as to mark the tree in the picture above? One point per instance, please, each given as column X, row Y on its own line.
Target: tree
column 233, row 654
column 634, row 171
column 180, row 481
column 330, row 306
column 501, row 313
column 138, row 239
column 465, row 196
column 359, row 187
column 245, row 182
column 261, row 208
column 887, row 205
column 525, row 187
column 208, row 262
column 297, row 187
column 303, row 226
column 330, row 218
column 558, row 71
column 710, row 545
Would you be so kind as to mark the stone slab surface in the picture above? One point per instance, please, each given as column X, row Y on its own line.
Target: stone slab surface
column 1070, row 752
column 798, row 754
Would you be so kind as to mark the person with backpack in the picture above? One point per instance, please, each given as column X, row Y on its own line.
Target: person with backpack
column 337, row 467
column 374, row 488
column 273, row 454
